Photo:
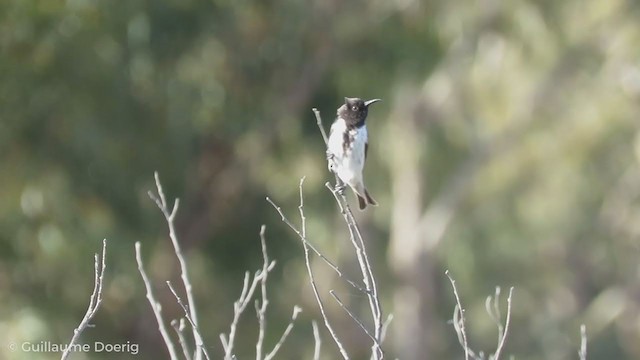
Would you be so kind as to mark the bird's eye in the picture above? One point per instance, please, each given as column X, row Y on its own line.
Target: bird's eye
column 354, row 108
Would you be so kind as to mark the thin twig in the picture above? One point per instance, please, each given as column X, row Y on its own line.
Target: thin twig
column 373, row 296
column 285, row 334
column 506, row 326
column 317, row 340
column 303, row 219
column 583, row 342
column 261, row 311
column 492, row 306
column 319, row 122
column 239, row 306
column 385, row 327
column 312, row 280
column 194, row 326
column 179, row 327
column 459, row 321
column 161, row 202
column 95, row 300
column 365, row 267
column 155, row 306
column 310, row 245
column 352, row 316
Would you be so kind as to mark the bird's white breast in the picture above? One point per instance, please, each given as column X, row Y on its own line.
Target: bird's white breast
column 348, row 161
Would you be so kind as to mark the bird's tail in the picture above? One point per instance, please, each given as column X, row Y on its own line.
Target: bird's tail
column 370, row 199
column 365, row 200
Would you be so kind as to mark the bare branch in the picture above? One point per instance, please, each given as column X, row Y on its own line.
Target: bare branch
column 184, row 275
column 385, row 327
column 365, row 267
column 194, row 326
column 312, row 280
column 155, row 306
column 261, row 311
column 458, row 318
column 492, row 307
column 320, row 126
column 583, row 342
column 506, row 325
column 179, row 327
column 296, row 311
column 352, row 316
column 238, row 308
column 95, row 300
column 304, row 240
column 303, row 218
column 317, row 340
column 248, row 289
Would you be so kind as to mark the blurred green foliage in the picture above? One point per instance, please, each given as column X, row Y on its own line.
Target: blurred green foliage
column 511, row 126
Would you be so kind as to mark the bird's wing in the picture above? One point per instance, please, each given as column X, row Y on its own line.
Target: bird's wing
column 334, row 137
column 332, row 128
column 330, row 133
column 330, row 144
column 329, row 138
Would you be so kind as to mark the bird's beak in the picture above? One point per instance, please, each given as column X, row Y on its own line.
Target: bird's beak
column 369, row 102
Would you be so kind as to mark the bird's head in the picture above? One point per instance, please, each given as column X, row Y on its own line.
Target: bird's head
column 354, row 110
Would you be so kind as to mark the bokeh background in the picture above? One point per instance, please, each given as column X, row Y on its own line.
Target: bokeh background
column 506, row 150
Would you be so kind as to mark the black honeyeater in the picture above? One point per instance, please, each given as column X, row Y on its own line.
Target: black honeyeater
column 348, row 145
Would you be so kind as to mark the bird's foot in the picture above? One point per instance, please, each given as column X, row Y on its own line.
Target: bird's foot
column 339, row 189
column 330, row 161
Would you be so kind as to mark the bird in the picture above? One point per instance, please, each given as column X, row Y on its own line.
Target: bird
column 348, row 145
